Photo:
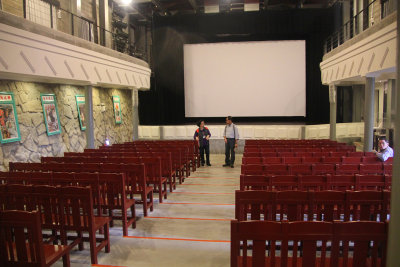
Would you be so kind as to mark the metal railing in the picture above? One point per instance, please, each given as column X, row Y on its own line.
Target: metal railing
column 65, row 21
column 358, row 23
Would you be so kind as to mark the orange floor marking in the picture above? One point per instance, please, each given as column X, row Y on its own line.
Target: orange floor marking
column 195, row 219
column 198, row 193
column 213, row 177
column 100, row 265
column 214, row 184
column 178, row 239
column 193, row 203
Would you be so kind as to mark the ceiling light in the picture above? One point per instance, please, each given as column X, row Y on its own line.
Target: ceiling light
column 126, row 2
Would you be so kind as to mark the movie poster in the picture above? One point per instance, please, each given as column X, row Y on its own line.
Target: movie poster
column 117, row 109
column 8, row 119
column 50, row 113
column 80, row 103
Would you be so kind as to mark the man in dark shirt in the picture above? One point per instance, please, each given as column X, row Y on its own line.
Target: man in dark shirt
column 202, row 135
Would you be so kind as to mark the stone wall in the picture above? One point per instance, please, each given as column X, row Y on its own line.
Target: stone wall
column 14, row 7
column 35, row 142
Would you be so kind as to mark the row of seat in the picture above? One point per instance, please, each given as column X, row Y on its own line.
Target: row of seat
column 302, row 153
column 67, row 212
column 260, row 142
column 312, row 205
column 135, row 176
column 23, row 242
column 345, row 160
column 315, row 182
column 108, row 190
column 319, row 168
column 266, row 243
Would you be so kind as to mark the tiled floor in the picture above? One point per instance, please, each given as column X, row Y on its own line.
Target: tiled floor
column 191, row 228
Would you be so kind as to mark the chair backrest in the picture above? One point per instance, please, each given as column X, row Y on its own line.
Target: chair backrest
column 323, row 168
column 293, row 205
column 359, row 244
column 284, row 182
column 276, row 169
column 252, row 169
column 371, row 168
column 364, row 206
column 254, row 182
column 371, row 182
column 341, row 182
column 313, row 182
column 255, row 205
column 347, row 168
column 21, row 239
column 300, row 169
column 327, row 205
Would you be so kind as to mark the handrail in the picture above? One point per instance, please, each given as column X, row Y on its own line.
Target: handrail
column 85, row 28
column 357, row 24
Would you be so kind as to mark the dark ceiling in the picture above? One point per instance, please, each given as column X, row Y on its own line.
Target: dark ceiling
column 145, row 9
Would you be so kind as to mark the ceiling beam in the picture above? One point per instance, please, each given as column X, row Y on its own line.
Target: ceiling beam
column 194, row 5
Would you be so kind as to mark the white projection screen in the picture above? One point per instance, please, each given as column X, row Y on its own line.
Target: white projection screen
column 245, row 79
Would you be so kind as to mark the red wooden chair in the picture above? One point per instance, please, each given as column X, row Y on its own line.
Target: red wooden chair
column 315, row 160
column 368, row 160
column 338, row 154
column 359, row 244
column 386, row 205
column 351, row 160
column 136, row 182
column 284, row 182
column 279, row 243
column 276, row 169
column 22, row 245
column 347, row 168
column 341, row 182
column 313, row 182
column 252, row 160
column 77, row 206
column 155, row 177
column 292, row 160
column 292, row 205
column 17, row 177
column 113, row 196
column 300, row 169
column 335, row 160
column 268, row 154
column 252, row 169
column 355, row 154
column 321, row 154
column 371, row 168
column 328, row 205
column 323, row 168
column 41, row 178
column 272, row 160
column 284, row 154
column 254, row 182
column 371, row 182
column 387, row 168
column 254, row 205
column 304, row 154
column 364, row 206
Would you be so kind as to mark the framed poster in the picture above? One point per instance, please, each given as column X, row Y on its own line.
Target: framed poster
column 8, row 119
column 117, row 109
column 50, row 113
column 80, row 103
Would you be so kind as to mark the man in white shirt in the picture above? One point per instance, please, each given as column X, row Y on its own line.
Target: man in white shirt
column 385, row 151
column 231, row 137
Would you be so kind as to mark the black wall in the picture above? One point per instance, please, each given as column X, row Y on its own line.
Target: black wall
column 164, row 104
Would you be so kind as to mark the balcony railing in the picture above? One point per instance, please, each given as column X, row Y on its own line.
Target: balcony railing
column 359, row 23
column 65, row 21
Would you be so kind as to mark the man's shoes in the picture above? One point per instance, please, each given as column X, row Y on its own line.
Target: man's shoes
column 225, row 165
column 202, row 164
column 232, row 166
column 209, row 164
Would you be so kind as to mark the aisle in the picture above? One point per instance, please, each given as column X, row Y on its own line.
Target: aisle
column 191, row 228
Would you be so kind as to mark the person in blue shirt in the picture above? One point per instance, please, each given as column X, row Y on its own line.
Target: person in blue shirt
column 385, row 151
column 202, row 135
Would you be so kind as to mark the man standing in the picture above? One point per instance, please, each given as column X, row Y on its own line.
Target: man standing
column 202, row 135
column 231, row 137
column 385, row 151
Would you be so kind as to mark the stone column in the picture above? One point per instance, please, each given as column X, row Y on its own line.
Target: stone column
column 89, row 117
column 135, row 115
column 369, row 113
column 332, row 105
column 393, row 258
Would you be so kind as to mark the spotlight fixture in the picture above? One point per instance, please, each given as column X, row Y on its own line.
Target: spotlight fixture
column 126, row 2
